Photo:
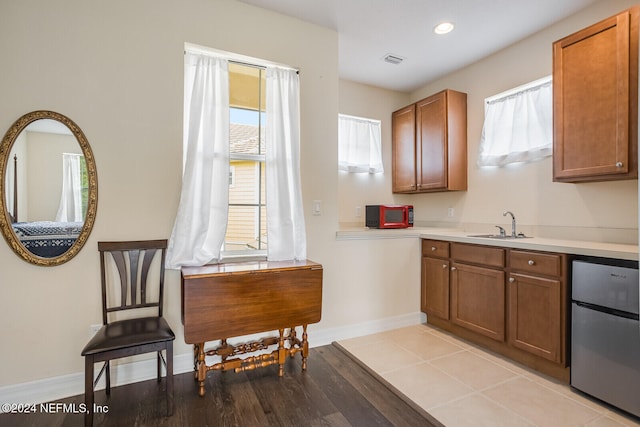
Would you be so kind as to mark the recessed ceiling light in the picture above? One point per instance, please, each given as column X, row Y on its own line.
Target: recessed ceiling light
column 443, row 28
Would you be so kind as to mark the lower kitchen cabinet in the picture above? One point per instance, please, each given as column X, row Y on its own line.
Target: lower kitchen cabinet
column 537, row 303
column 535, row 322
column 511, row 301
column 478, row 299
column 435, row 289
column 434, row 293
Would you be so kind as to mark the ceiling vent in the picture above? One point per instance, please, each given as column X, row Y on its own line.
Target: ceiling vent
column 393, row 59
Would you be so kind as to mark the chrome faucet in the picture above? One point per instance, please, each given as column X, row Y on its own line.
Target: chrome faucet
column 513, row 223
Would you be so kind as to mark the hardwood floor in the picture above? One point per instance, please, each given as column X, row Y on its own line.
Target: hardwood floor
column 334, row 391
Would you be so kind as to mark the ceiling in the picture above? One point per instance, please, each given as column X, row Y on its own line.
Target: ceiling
column 368, row 30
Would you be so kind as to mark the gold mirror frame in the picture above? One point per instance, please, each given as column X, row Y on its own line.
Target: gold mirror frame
column 5, row 222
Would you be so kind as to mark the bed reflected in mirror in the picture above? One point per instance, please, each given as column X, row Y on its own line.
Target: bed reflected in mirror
column 49, row 188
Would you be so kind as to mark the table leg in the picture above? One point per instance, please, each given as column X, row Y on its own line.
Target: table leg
column 292, row 340
column 305, row 347
column 202, row 368
column 195, row 362
column 282, row 353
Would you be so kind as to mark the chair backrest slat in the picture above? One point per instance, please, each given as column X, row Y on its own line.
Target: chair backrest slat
column 132, row 271
column 149, row 254
column 134, row 255
column 118, row 258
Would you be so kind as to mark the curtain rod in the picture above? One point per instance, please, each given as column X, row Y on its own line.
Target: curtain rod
column 364, row 119
column 519, row 89
column 234, row 57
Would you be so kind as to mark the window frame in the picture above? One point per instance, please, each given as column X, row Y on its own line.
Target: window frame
column 260, row 163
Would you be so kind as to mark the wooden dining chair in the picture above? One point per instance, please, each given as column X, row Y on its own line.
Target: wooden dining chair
column 132, row 278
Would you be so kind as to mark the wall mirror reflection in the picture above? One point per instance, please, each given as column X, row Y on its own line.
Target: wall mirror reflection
column 49, row 188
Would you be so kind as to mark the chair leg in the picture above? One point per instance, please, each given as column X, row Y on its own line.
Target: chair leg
column 169, row 354
column 107, row 372
column 88, row 390
column 159, row 356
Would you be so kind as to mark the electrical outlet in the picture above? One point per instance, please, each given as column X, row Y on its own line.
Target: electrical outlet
column 93, row 329
column 450, row 212
column 358, row 211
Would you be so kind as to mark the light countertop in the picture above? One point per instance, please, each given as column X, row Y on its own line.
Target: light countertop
column 575, row 247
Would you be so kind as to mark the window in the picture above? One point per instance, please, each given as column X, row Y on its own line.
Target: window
column 241, row 154
column 359, row 144
column 247, row 221
column 518, row 125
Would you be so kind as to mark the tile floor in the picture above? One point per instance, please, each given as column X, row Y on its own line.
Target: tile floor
column 463, row 385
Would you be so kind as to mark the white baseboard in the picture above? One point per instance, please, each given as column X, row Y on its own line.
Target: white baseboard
column 55, row 388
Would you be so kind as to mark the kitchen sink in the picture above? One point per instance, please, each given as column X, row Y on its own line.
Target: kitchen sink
column 499, row 236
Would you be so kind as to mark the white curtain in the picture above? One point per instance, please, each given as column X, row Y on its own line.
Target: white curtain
column 285, row 217
column 70, row 209
column 518, row 127
column 200, row 225
column 359, row 144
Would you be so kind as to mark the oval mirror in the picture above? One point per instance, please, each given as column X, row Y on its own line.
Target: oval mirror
column 49, row 188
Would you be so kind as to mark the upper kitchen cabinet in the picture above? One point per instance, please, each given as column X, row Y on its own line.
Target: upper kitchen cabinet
column 429, row 141
column 595, row 96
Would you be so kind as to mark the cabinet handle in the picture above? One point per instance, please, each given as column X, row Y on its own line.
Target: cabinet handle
column 444, row 265
column 433, row 248
column 453, row 269
column 618, row 164
column 511, row 279
column 531, row 262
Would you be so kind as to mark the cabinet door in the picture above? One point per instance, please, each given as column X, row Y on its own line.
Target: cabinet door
column 478, row 299
column 403, row 141
column 595, row 92
column 435, row 287
column 535, row 315
column 431, row 142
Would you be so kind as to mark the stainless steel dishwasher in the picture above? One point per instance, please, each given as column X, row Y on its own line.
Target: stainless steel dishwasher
column 605, row 332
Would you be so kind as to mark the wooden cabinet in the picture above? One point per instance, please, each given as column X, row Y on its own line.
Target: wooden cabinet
column 595, row 96
column 478, row 289
column 434, row 293
column 429, row 140
column 403, row 136
column 511, row 301
column 537, row 313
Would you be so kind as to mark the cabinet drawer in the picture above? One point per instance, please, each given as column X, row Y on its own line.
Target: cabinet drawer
column 435, row 248
column 475, row 254
column 536, row 262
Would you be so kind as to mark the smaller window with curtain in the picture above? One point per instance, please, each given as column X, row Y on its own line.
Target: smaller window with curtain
column 359, row 144
column 518, row 125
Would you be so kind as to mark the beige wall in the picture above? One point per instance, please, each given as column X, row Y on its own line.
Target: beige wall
column 601, row 211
